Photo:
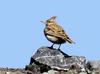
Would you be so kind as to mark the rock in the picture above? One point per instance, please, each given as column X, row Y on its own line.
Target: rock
column 12, row 71
column 95, row 64
column 93, row 67
column 82, row 73
column 52, row 59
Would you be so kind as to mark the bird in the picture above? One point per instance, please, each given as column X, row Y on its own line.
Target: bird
column 55, row 33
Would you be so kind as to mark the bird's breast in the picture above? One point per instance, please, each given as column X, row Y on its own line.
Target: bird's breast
column 51, row 38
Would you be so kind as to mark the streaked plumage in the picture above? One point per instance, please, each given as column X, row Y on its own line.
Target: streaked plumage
column 55, row 33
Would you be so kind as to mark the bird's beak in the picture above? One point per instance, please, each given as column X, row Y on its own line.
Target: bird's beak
column 43, row 22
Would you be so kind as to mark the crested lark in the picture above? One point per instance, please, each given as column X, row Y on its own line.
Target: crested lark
column 55, row 33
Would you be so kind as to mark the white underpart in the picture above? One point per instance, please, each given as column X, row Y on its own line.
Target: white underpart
column 51, row 38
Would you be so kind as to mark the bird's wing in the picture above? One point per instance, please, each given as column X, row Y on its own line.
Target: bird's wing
column 49, row 31
column 59, row 32
column 54, row 31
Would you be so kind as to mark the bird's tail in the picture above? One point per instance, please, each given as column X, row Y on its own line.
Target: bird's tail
column 70, row 41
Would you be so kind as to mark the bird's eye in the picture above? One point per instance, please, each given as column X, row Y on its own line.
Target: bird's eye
column 48, row 21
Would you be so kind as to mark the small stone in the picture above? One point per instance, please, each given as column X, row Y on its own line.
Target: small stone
column 52, row 72
column 82, row 73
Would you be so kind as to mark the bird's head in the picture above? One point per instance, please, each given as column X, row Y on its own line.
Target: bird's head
column 49, row 21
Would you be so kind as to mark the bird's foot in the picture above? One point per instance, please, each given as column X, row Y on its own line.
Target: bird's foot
column 65, row 55
column 59, row 49
column 51, row 47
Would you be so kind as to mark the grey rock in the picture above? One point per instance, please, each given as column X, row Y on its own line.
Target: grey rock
column 12, row 71
column 95, row 64
column 52, row 72
column 82, row 73
column 52, row 61
column 56, row 59
column 61, row 72
column 93, row 67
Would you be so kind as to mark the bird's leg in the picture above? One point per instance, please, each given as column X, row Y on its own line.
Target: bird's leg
column 52, row 46
column 59, row 47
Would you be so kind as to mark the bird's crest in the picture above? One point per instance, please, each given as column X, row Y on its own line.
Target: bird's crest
column 52, row 18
